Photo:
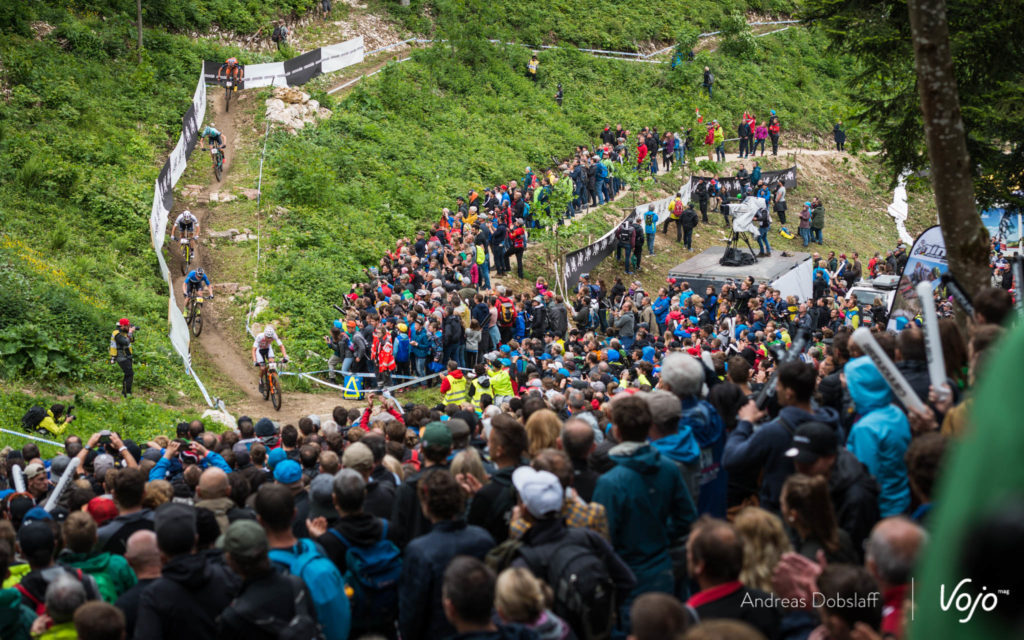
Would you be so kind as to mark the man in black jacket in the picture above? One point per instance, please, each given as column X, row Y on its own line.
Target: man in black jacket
column 689, row 221
column 815, row 451
column 407, row 519
column 558, row 318
column 191, row 591
column 493, row 503
column 268, row 600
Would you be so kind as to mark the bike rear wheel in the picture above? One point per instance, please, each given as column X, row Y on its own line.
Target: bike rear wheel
column 265, row 386
column 227, row 99
column 275, row 390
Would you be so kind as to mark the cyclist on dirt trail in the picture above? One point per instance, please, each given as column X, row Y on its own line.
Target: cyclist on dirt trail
column 196, row 280
column 263, row 350
column 214, row 136
column 186, row 223
column 231, row 70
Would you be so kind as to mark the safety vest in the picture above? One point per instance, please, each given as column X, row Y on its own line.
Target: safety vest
column 478, row 391
column 457, row 391
column 641, row 380
column 113, row 345
column 501, row 383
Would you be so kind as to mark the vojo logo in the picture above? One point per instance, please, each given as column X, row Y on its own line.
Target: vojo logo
column 966, row 603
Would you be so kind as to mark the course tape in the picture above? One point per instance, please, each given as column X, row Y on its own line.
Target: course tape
column 35, row 438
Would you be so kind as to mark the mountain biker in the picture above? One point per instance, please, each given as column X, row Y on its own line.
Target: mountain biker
column 214, row 136
column 231, row 70
column 195, row 281
column 263, row 350
column 187, row 223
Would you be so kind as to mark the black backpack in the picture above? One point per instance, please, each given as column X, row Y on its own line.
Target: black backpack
column 624, row 235
column 583, row 589
column 301, row 626
column 277, row 34
column 32, row 418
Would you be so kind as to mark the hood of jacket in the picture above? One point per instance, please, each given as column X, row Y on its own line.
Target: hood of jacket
column 361, row 530
column 679, row 447
column 455, row 374
column 868, row 387
column 849, row 471
column 10, row 613
column 217, row 505
column 87, row 562
column 638, row 456
column 190, row 571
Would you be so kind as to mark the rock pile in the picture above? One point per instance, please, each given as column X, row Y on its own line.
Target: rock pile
column 294, row 109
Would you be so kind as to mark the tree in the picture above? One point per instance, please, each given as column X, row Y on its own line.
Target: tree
column 138, row 11
column 985, row 53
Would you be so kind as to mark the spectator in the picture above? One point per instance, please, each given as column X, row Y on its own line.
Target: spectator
column 709, row 81
column 881, row 436
column 128, row 491
column 15, row 618
column 764, row 541
column 815, row 451
column 715, row 555
column 492, row 505
column 577, row 441
column 276, row 508
column 37, row 545
column 817, row 219
column 366, row 457
column 657, row 616
column 519, row 599
column 849, row 584
column 144, row 557
column 423, row 567
column 111, row 572
column 924, row 460
column 766, row 448
column 268, row 601
column 63, row 597
column 891, row 555
column 99, row 621
column 643, row 524
column 190, row 593
column 407, row 518
column 811, row 520
column 839, row 135
column 468, row 588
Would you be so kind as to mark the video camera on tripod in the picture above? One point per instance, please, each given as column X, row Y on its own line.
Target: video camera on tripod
column 796, row 349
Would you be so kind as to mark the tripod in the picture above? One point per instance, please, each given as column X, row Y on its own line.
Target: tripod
column 736, row 236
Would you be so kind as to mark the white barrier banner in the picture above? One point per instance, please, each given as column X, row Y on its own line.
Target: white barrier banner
column 271, row 74
column 341, row 55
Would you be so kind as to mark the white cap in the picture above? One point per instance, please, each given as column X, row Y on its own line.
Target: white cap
column 541, row 492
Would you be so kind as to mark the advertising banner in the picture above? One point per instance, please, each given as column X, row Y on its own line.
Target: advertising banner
column 927, row 263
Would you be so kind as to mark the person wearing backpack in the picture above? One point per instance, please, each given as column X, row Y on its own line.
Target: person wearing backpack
column 709, row 80
column 37, row 545
column 675, row 216
column 624, row 242
column 358, row 545
column 590, row 582
column 270, row 606
column 111, row 572
column 275, row 507
column 648, row 503
column 506, row 315
column 650, row 228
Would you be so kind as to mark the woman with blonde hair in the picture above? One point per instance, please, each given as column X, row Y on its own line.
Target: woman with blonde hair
column 468, row 461
column 156, row 493
column 521, row 598
column 764, row 541
column 542, row 430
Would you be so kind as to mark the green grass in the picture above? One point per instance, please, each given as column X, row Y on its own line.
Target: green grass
column 402, row 144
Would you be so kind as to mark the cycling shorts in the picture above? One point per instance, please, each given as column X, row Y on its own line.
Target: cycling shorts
column 186, row 226
column 218, row 140
column 263, row 355
column 194, row 286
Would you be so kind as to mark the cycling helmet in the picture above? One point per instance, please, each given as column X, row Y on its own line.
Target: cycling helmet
column 186, row 213
column 338, row 325
column 231, row 61
column 270, row 333
column 200, row 272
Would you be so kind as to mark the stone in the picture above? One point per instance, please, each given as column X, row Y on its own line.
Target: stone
column 227, row 197
column 214, row 196
column 220, row 417
column 281, row 211
column 243, row 237
column 244, row 288
column 226, row 287
column 222, row 234
column 251, row 194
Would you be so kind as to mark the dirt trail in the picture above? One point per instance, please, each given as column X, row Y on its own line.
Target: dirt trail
column 230, row 358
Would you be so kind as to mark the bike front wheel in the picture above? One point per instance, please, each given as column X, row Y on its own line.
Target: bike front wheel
column 275, row 391
column 264, row 386
column 218, row 168
column 197, row 323
column 227, row 99
column 184, row 260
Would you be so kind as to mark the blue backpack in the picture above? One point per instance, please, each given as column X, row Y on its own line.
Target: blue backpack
column 373, row 574
column 403, row 348
column 325, row 584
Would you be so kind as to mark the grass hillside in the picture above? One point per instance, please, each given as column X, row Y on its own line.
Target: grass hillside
column 403, row 144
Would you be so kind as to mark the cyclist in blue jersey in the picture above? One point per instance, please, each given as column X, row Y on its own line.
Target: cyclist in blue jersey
column 215, row 137
column 196, row 280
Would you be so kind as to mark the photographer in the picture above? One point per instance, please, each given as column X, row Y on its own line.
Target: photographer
column 121, row 352
column 106, row 442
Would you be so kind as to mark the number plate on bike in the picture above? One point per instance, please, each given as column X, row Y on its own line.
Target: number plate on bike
column 229, row 84
column 199, row 300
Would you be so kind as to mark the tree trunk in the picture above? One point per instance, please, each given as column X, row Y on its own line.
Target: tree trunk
column 967, row 239
column 138, row 11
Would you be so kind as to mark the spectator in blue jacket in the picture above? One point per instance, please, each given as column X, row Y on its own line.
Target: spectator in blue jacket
column 661, row 306
column 765, row 449
column 646, row 498
column 426, row 557
column 174, row 459
column 881, row 437
column 420, row 348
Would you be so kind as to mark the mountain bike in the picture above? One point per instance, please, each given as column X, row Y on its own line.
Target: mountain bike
column 218, row 161
column 187, row 253
column 194, row 317
column 230, row 86
column 270, row 386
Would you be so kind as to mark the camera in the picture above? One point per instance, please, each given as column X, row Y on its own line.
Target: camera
column 105, row 436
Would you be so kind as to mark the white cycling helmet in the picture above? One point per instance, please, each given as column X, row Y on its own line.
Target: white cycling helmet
column 186, row 213
column 270, row 333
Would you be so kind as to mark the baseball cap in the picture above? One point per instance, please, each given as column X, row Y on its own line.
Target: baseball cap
column 35, row 514
column 123, row 322
column 436, row 434
column 540, row 491
column 506, row 349
column 103, row 463
column 358, row 456
column 35, row 538
column 320, row 492
column 276, row 457
column 244, row 538
column 662, row 404
column 812, row 440
column 288, row 472
column 33, row 470
column 102, row 510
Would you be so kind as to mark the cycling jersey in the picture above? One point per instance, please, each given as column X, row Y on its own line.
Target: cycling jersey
column 265, row 347
column 230, row 71
column 194, row 278
column 185, row 221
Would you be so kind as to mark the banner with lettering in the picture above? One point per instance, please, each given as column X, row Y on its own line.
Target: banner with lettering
column 926, row 263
